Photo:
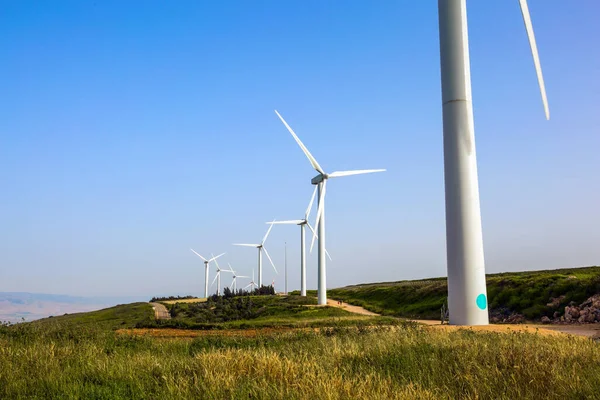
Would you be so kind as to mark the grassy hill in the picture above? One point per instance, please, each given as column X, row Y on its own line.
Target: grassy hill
column 259, row 312
column 527, row 293
column 121, row 316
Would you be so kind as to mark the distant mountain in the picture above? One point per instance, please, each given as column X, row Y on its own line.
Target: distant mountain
column 22, row 306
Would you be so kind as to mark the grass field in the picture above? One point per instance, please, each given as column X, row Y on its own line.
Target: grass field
column 39, row 361
column 250, row 312
column 527, row 293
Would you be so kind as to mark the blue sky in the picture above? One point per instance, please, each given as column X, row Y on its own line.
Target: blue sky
column 132, row 131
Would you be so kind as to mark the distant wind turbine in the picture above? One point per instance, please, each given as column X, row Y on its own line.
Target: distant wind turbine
column 260, row 247
column 467, row 294
column 252, row 283
column 321, row 181
column 206, row 262
column 302, row 222
column 218, row 277
column 234, row 281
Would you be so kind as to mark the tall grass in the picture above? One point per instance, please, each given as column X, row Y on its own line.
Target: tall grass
column 402, row 362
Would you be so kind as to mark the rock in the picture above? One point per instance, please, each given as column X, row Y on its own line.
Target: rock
column 546, row 320
column 555, row 301
column 515, row 319
column 593, row 301
column 568, row 317
column 591, row 317
column 571, row 313
column 556, row 314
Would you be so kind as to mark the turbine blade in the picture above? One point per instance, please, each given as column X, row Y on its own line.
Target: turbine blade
column 312, row 230
column 246, row 244
column 250, row 284
column 267, row 234
column 198, row 255
column 271, row 261
column 319, row 210
column 242, row 276
column 215, row 258
column 216, row 276
column 326, row 252
column 288, row 222
column 231, row 286
column 534, row 53
column 337, row 174
column 310, row 157
column 312, row 199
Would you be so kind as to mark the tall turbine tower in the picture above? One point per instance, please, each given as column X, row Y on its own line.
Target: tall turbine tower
column 467, row 295
column 261, row 247
column 321, row 181
column 302, row 223
column 206, row 262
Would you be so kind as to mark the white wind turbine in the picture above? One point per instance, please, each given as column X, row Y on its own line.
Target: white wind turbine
column 218, row 277
column 206, row 262
column 303, row 222
column 467, row 294
column 321, row 181
column 252, row 283
column 234, row 281
column 260, row 247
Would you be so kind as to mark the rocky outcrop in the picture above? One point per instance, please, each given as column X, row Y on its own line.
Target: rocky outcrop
column 504, row 316
column 586, row 312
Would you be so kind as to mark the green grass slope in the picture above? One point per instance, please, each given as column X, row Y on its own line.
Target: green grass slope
column 121, row 316
column 259, row 312
column 527, row 293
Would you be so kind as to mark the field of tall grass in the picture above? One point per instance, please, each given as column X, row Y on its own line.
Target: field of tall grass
column 59, row 361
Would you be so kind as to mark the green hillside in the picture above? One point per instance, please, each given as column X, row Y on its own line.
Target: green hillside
column 121, row 316
column 527, row 293
column 259, row 312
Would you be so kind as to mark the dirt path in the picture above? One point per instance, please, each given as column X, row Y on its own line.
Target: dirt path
column 586, row 330
column 349, row 307
column 160, row 311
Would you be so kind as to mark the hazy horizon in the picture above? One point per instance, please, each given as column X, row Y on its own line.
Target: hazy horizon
column 131, row 133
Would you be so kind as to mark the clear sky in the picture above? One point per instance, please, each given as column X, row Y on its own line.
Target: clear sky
column 133, row 130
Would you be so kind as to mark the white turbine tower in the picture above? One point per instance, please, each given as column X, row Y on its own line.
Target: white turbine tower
column 218, row 277
column 302, row 222
column 252, row 283
column 467, row 294
column 234, row 281
column 321, row 181
column 206, row 262
column 260, row 247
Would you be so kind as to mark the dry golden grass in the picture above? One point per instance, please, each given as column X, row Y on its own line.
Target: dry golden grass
column 185, row 301
column 385, row 362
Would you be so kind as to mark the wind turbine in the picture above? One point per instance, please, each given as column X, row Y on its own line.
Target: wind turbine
column 252, row 283
column 321, row 181
column 260, row 247
column 234, row 281
column 303, row 223
column 206, row 262
column 218, row 277
column 467, row 295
